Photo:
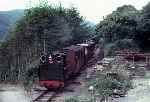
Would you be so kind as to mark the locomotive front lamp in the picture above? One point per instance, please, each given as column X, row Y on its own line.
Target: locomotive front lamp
column 50, row 59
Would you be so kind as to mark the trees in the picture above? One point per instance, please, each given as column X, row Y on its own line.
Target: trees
column 55, row 26
column 127, row 23
column 142, row 36
column 118, row 25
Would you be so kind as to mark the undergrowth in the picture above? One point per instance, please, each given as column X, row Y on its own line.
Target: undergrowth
column 105, row 85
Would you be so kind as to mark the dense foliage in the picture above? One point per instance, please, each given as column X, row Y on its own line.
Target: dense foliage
column 72, row 100
column 118, row 25
column 142, row 36
column 105, row 85
column 118, row 29
column 126, row 23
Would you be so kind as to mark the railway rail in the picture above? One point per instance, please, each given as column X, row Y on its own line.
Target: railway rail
column 50, row 95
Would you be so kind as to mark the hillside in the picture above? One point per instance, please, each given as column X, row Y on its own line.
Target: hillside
column 6, row 19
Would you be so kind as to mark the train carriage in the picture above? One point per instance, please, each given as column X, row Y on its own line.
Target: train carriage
column 74, row 58
column 56, row 68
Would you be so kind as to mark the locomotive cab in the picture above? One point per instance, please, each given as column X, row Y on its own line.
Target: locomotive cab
column 51, row 71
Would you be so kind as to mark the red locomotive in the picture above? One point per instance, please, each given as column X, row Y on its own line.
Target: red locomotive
column 56, row 68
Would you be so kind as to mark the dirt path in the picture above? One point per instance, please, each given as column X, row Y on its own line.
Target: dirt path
column 10, row 93
column 141, row 91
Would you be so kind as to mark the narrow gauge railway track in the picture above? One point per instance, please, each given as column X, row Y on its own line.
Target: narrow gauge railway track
column 49, row 96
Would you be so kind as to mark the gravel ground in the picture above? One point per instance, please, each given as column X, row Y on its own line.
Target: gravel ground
column 141, row 91
column 11, row 93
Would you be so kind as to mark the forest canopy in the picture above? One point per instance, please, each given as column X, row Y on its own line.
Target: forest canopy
column 126, row 23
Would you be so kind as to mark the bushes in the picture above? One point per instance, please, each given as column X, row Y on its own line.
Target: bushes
column 120, row 45
column 72, row 99
column 105, row 85
column 30, row 77
column 78, row 99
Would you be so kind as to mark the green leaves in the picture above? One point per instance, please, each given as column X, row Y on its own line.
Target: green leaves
column 118, row 25
column 142, row 35
column 105, row 85
column 127, row 23
column 73, row 99
column 56, row 26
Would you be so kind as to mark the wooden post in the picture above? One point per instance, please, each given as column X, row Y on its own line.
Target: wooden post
column 133, row 60
column 146, row 61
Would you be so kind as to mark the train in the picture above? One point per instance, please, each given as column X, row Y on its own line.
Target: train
column 56, row 68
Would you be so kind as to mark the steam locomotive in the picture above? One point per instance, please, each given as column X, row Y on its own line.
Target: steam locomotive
column 56, row 68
